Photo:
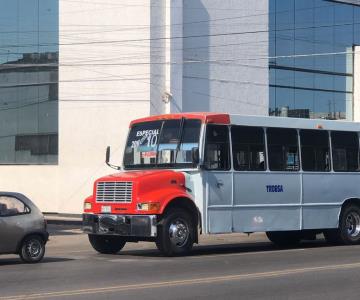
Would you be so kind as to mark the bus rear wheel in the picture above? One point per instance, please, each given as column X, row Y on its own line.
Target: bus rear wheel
column 284, row 238
column 107, row 244
column 348, row 232
column 175, row 233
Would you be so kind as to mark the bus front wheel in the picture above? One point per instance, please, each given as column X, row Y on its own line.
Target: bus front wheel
column 348, row 232
column 284, row 238
column 175, row 233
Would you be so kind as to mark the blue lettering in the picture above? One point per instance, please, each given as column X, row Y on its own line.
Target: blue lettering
column 275, row 188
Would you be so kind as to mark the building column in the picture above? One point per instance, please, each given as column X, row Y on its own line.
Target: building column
column 356, row 84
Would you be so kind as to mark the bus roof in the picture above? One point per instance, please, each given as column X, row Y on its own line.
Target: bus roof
column 295, row 123
column 263, row 121
column 205, row 117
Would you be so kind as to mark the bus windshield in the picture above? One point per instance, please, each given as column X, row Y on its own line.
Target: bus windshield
column 162, row 144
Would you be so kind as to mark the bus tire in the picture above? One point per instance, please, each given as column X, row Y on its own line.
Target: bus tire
column 284, row 238
column 106, row 244
column 175, row 233
column 348, row 232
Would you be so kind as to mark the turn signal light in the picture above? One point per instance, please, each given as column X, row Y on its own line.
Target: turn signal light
column 148, row 206
column 87, row 206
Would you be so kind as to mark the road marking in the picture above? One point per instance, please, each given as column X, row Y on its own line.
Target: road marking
column 205, row 280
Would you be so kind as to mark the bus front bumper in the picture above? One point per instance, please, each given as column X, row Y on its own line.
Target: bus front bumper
column 121, row 225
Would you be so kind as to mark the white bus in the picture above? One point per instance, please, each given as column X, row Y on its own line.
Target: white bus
column 192, row 173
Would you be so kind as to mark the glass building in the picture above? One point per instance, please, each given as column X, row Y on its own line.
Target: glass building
column 29, row 42
column 311, row 57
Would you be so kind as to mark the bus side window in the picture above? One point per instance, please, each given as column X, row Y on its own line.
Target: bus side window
column 283, row 149
column 217, row 150
column 248, row 146
column 315, row 150
column 345, row 151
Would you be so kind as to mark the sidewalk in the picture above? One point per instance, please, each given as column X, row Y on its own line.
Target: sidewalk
column 63, row 219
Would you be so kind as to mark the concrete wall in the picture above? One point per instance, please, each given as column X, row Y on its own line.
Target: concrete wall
column 104, row 83
column 225, row 56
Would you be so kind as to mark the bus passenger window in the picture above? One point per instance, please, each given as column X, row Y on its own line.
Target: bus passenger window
column 283, row 149
column 345, row 151
column 217, row 152
column 315, row 150
column 248, row 148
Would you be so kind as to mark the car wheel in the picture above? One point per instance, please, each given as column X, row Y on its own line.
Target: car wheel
column 32, row 249
column 176, row 233
column 107, row 244
column 284, row 238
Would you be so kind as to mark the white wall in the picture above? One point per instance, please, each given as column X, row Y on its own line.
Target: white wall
column 104, row 83
column 357, row 83
column 225, row 65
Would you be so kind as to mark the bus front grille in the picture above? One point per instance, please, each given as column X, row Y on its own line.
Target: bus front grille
column 116, row 191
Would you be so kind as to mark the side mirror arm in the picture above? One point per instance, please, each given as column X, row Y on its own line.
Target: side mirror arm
column 107, row 159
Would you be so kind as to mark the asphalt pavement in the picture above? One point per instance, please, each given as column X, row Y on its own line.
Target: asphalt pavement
column 221, row 267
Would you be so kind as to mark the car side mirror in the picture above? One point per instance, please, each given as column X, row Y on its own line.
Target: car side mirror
column 195, row 156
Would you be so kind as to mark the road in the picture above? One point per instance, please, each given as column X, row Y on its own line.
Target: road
column 222, row 267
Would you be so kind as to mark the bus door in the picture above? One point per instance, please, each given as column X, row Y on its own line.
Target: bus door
column 218, row 179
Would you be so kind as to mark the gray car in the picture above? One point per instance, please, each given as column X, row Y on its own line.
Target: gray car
column 22, row 228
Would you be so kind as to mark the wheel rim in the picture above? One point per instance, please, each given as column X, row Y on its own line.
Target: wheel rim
column 33, row 248
column 353, row 224
column 179, row 232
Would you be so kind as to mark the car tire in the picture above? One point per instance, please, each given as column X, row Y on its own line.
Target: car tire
column 284, row 238
column 32, row 249
column 105, row 244
column 176, row 234
column 348, row 232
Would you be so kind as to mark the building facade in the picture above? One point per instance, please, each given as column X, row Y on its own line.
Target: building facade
column 74, row 73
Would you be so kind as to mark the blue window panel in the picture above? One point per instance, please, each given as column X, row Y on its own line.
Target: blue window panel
column 304, row 80
column 285, row 98
column 304, row 100
column 343, row 14
column 285, row 77
column 285, row 14
column 304, row 14
column 323, row 104
column 29, row 113
column 357, row 25
column 324, row 14
column 272, row 101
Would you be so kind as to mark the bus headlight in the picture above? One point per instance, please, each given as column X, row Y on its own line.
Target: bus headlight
column 151, row 206
column 87, row 206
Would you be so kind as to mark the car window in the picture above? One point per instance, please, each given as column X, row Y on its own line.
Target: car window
column 11, row 206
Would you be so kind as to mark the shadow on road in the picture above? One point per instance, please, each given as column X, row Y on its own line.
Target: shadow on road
column 17, row 261
column 233, row 248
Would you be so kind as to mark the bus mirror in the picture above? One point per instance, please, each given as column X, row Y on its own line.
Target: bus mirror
column 195, row 156
column 107, row 159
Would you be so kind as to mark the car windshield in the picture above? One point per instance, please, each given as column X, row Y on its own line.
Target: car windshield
column 162, row 144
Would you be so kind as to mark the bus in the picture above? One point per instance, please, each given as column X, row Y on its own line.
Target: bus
column 212, row 173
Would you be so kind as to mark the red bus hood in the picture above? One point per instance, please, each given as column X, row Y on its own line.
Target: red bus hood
column 147, row 186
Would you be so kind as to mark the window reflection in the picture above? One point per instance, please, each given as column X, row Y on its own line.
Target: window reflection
column 29, row 81
column 314, row 82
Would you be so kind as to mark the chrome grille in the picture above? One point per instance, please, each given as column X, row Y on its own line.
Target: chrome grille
column 114, row 191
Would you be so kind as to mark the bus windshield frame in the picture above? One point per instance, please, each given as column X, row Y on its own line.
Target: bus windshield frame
column 162, row 144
